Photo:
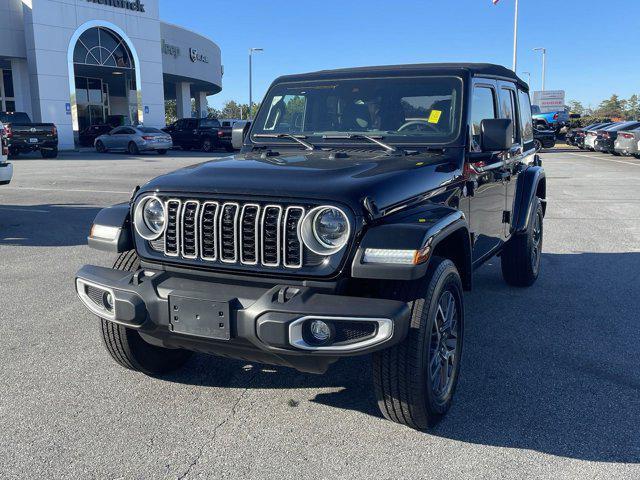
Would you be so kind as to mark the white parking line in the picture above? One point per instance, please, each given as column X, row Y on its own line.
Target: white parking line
column 64, row 190
column 602, row 158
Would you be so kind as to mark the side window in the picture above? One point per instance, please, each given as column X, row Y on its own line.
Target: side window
column 483, row 107
column 180, row 125
column 508, row 110
column 526, row 120
column 192, row 124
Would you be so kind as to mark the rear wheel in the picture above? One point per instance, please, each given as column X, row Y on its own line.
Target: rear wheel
column 100, row 148
column 229, row 148
column 49, row 153
column 207, row 145
column 537, row 145
column 520, row 259
column 128, row 348
column 415, row 381
column 162, row 151
column 133, row 148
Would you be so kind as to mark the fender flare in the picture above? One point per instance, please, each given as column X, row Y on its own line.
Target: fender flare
column 430, row 227
column 118, row 217
column 527, row 188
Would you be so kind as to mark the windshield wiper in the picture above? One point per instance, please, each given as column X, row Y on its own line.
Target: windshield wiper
column 377, row 140
column 297, row 138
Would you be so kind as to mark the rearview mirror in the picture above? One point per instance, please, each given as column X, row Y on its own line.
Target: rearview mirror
column 496, row 134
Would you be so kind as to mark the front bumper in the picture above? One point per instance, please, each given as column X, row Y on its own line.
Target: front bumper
column 255, row 322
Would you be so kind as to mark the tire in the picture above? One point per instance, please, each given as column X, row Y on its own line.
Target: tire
column 537, row 145
column 404, row 383
column 186, row 148
column 229, row 148
column 100, row 148
column 53, row 153
column 128, row 348
column 133, row 149
column 207, row 145
column 162, row 152
column 520, row 259
column 616, row 154
column 13, row 154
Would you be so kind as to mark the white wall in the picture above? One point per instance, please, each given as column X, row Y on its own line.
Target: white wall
column 49, row 26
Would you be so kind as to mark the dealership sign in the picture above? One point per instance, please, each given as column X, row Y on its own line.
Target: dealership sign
column 197, row 56
column 134, row 6
column 549, row 100
column 169, row 49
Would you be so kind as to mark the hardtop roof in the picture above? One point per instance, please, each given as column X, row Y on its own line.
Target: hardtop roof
column 466, row 69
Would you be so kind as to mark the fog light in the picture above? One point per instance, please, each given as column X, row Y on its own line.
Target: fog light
column 107, row 299
column 320, row 330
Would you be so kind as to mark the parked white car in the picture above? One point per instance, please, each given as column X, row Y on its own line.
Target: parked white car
column 6, row 169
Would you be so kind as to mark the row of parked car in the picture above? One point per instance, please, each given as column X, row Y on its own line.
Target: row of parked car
column 205, row 134
column 618, row 138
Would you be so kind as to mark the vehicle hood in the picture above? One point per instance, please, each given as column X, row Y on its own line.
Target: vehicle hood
column 386, row 179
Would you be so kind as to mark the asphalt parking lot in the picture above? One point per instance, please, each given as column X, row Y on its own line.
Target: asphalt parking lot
column 550, row 384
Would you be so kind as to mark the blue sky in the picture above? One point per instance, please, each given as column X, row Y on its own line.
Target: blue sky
column 593, row 45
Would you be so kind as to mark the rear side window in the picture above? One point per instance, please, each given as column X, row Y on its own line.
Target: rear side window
column 483, row 107
column 210, row 123
column 508, row 110
column 526, row 120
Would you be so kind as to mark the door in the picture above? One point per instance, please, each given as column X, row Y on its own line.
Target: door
column 191, row 136
column 485, row 176
column 515, row 105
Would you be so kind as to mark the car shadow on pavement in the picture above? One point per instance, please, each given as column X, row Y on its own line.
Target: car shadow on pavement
column 552, row 368
column 48, row 225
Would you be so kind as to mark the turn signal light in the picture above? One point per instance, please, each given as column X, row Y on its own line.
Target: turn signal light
column 396, row 256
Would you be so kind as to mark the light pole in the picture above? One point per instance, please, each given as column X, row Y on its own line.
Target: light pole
column 515, row 39
column 528, row 74
column 544, row 63
column 251, row 50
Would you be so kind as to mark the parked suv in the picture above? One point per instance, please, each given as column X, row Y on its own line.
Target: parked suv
column 351, row 223
column 205, row 134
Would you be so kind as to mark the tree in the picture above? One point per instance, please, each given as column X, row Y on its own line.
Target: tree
column 576, row 107
column 633, row 108
column 614, row 107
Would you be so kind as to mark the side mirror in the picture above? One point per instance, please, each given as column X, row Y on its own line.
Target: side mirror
column 496, row 134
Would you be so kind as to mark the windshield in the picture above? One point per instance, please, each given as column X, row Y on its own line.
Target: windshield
column 401, row 110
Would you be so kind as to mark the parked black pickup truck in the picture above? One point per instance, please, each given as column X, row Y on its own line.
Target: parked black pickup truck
column 204, row 134
column 351, row 223
column 25, row 136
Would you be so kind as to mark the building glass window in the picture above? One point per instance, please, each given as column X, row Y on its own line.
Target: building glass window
column 101, row 47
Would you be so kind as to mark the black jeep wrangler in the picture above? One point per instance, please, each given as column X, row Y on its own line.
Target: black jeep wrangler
column 350, row 223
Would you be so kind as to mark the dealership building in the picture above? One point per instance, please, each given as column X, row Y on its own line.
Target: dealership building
column 75, row 63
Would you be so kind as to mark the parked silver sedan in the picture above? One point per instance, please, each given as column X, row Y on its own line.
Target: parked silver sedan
column 134, row 140
column 628, row 143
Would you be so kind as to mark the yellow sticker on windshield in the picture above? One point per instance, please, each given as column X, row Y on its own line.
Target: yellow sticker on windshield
column 434, row 117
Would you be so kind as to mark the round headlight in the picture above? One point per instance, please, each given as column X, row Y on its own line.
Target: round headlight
column 149, row 218
column 153, row 215
column 325, row 230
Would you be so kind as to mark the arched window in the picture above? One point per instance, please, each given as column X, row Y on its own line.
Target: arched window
column 102, row 47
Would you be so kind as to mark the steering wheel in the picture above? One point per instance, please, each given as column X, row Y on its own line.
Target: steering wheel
column 418, row 125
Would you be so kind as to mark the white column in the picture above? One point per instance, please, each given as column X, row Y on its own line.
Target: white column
column 21, row 86
column 183, row 99
column 202, row 105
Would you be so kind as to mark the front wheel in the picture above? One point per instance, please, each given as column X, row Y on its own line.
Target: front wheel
column 128, row 348
column 415, row 381
column 162, row 151
column 100, row 148
column 520, row 259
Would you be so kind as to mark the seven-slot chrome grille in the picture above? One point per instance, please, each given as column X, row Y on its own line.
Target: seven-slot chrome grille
column 227, row 232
